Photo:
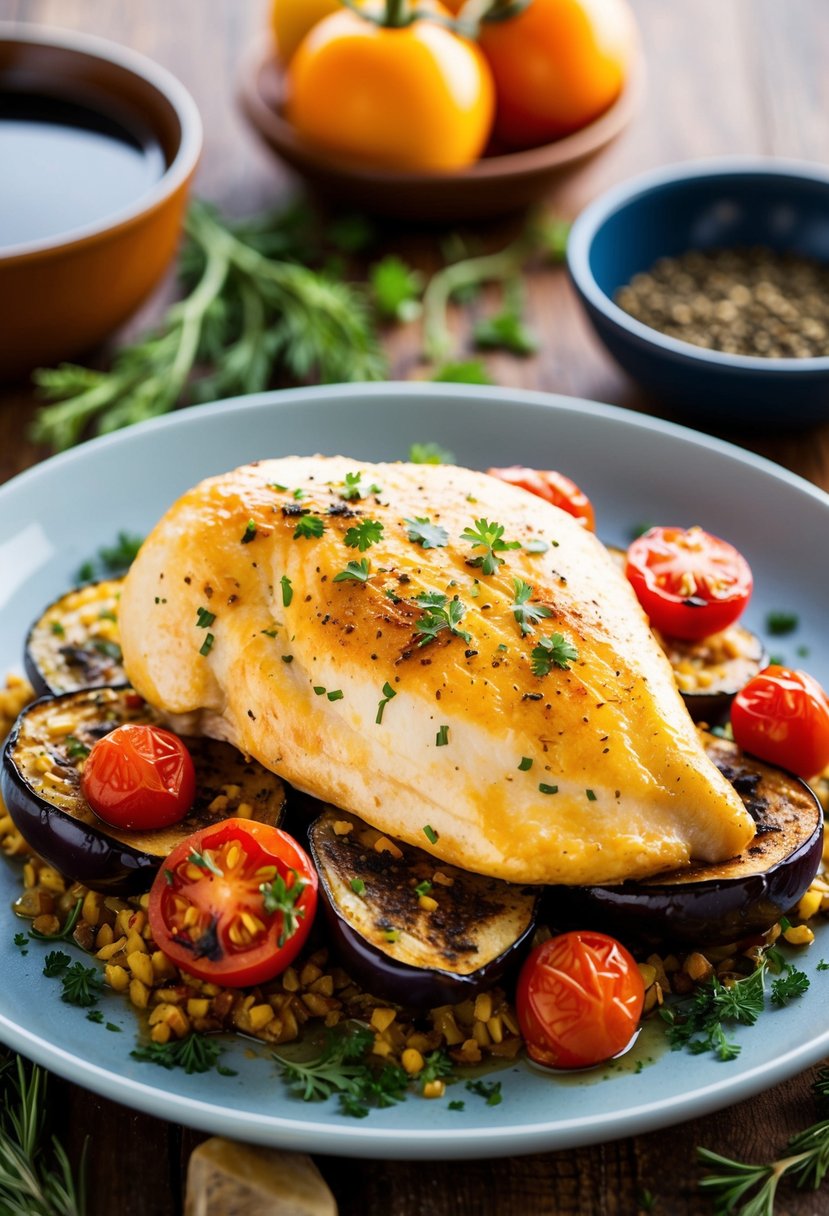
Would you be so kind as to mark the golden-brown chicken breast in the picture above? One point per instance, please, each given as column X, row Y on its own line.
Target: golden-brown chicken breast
column 452, row 659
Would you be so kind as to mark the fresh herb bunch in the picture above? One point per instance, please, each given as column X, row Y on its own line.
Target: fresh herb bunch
column 36, row 1178
column 247, row 315
column 194, row 1053
column 731, row 1182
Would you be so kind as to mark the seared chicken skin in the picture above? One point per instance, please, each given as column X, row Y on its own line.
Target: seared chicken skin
column 535, row 736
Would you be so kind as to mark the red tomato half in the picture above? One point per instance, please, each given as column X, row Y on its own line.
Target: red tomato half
column 139, row 777
column 552, row 487
column 579, row 1000
column 782, row 716
column 690, row 583
column 234, row 902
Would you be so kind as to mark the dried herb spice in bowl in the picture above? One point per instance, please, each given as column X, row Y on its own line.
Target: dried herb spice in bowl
column 662, row 265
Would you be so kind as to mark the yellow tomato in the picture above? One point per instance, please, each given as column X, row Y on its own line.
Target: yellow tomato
column 292, row 19
column 557, row 65
column 416, row 98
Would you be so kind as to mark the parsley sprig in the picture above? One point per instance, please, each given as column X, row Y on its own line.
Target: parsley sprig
column 277, row 896
column 359, row 572
column 194, row 1053
column 526, row 614
column 421, row 531
column 354, row 488
column 439, row 613
column 489, row 537
column 553, row 651
column 364, row 534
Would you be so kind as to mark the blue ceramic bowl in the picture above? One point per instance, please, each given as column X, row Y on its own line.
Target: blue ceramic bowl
column 783, row 205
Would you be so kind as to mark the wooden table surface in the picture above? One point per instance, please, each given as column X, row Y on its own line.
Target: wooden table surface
column 724, row 76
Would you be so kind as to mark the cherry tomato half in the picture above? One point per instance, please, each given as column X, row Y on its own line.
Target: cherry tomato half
column 234, row 902
column 414, row 98
column 579, row 1000
column 139, row 777
column 690, row 583
column 552, row 487
column 557, row 64
column 782, row 716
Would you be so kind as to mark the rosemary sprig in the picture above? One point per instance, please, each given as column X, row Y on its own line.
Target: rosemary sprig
column 247, row 315
column 36, row 1179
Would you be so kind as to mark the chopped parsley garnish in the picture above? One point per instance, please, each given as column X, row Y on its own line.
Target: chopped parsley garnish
column 793, row 983
column 388, row 694
column 81, row 985
column 95, row 1015
column 552, row 652
column 309, row 526
column 336, row 694
column 277, row 896
column 287, row 591
column 341, row 1069
column 591, row 797
column 21, row 940
column 392, row 935
column 204, row 618
column 421, row 531
column 423, row 888
column 548, row 789
column 112, row 559
column 456, row 1104
column 298, row 494
column 430, row 453
column 205, row 862
column 249, row 532
column 527, row 615
column 75, row 750
column 287, row 658
column 319, row 690
column 357, row 886
column 353, row 488
column 526, row 764
column 194, row 1053
column 207, row 645
column 430, row 834
column 490, row 1090
column 489, row 537
column 781, row 623
column 364, row 534
column 57, row 628
column 270, row 633
column 110, row 650
column 359, row 571
column 55, row 963
column 442, row 737
column 396, row 289
column 439, row 613
column 274, row 485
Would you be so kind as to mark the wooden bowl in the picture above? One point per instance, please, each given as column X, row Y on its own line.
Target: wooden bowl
column 494, row 185
column 63, row 293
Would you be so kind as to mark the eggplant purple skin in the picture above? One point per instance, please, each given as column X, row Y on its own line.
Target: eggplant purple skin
column 415, row 988
column 92, row 858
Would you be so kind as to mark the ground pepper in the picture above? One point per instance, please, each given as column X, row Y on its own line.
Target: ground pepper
column 743, row 301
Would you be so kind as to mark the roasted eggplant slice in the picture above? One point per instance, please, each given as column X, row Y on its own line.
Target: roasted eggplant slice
column 712, row 904
column 40, row 784
column 710, row 672
column 74, row 644
column 410, row 929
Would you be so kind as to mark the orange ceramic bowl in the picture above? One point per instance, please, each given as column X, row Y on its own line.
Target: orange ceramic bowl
column 61, row 295
column 495, row 185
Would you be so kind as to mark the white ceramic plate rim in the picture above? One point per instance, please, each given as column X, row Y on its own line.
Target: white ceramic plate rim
column 500, row 1136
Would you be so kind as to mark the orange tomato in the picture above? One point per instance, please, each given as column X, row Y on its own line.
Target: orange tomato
column 291, row 20
column 557, row 65
column 415, row 98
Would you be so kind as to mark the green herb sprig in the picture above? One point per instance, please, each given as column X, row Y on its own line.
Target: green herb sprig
column 194, row 1053
column 439, row 613
column 489, row 537
column 277, row 896
column 247, row 315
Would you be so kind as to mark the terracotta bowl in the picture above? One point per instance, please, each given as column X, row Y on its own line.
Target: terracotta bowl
column 63, row 294
column 495, row 185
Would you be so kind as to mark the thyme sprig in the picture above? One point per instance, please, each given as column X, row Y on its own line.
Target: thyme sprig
column 246, row 315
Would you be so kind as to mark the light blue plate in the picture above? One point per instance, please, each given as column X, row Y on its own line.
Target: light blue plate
column 635, row 470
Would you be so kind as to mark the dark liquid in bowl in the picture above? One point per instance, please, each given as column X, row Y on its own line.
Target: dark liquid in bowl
column 64, row 166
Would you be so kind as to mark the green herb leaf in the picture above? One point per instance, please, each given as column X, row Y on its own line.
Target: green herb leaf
column 423, row 532
column 439, row 613
column 353, row 488
column 204, row 618
column 194, row 1053
column 364, row 534
column 526, row 764
column 55, row 963
column 468, row 371
column 66, row 929
column 309, row 527
column 388, row 694
column 489, row 537
column 359, row 571
column 278, row 896
column 554, row 651
column 357, row 886
column 396, row 289
column 207, row 645
column 287, row 591
column 81, row 985
column 506, row 330
column 779, row 624
column 423, row 888
column 430, row 834
column 548, row 789
column 21, row 940
column 527, row 615
column 249, row 533
column 205, row 862
column 442, row 737
column 490, row 1090
column 430, row 453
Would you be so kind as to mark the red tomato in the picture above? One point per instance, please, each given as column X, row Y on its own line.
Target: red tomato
column 553, row 487
column 579, row 1000
column 782, row 716
column 139, row 777
column 234, row 902
column 690, row 583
